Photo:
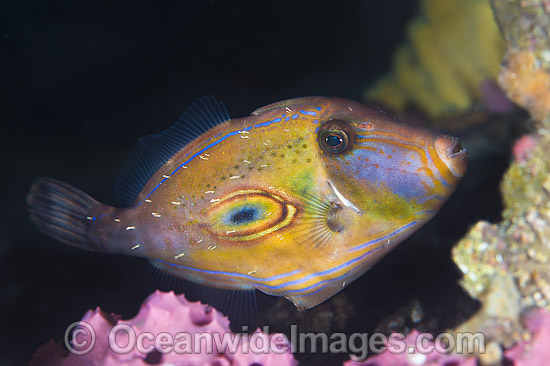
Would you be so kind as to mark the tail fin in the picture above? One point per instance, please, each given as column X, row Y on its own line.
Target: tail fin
column 61, row 211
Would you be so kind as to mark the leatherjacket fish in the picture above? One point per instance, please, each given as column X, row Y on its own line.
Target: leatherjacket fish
column 297, row 200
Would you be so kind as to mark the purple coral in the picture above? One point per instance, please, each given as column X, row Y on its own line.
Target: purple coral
column 537, row 351
column 188, row 333
column 534, row 352
column 523, row 148
column 165, row 315
column 411, row 356
column 494, row 98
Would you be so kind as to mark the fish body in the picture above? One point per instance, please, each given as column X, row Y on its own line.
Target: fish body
column 297, row 200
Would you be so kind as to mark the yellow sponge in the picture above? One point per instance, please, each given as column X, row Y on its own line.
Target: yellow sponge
column 452, row 46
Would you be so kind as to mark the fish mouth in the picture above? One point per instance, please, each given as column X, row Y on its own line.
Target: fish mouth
column 450, row 151
column 456, row 149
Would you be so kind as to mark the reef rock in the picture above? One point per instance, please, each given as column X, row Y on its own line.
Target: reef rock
column 512, row 256
column 525, row 75
column 531, row 351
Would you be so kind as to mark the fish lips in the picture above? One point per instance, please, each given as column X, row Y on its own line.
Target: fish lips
column 450, row 151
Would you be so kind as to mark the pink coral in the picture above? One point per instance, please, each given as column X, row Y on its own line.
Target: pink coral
column 523, row 148
column 534, row 352
column 411, row 356
column 168, row 330
column 537, row 351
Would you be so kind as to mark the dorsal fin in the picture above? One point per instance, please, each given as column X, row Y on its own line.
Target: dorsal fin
column 153, row 151
column 281, row 104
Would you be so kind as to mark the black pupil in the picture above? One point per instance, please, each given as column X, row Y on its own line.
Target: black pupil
column 334, row 141
column 244, row 215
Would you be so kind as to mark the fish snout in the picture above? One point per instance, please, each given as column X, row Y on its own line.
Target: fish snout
column 450, row 151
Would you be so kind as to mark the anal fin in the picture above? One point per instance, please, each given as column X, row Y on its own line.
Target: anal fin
column 239, row 306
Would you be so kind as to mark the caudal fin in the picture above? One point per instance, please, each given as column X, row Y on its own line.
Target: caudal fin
column 61, row 211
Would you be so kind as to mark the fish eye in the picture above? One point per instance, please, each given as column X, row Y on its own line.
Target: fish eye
column 335, row 136
column 333, row 141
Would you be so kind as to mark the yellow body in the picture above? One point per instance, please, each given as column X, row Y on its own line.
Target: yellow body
column 296, row 200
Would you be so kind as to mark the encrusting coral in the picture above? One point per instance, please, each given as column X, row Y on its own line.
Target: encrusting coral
column 411, row 355
column 197, row 333
column 191, row 324
column 526, row 69
column 535, row 351
column 452, row 48
column 530, row 352
column 512, row 257
column 519, row 246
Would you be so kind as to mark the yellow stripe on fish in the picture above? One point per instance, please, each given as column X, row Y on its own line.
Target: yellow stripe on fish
column 296, row 200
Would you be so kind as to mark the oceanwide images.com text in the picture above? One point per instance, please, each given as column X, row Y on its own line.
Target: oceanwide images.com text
column 80, row 339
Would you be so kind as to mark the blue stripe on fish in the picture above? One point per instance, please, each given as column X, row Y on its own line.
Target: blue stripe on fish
column 191, row 158
column 276, row 120
column 326, row 272
column 153, row 151
column 304, row 279
column 232, row 273
column 427, row 154
column 369, row 243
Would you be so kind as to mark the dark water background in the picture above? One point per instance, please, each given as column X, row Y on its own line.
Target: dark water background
column 81, row 81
